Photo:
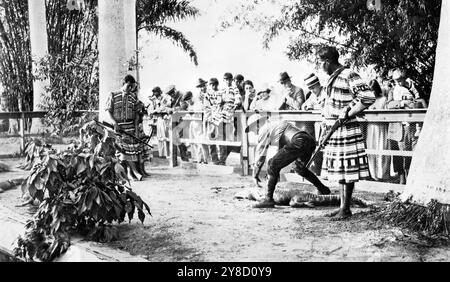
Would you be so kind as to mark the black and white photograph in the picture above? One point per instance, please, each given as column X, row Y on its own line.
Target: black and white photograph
column 218, row 131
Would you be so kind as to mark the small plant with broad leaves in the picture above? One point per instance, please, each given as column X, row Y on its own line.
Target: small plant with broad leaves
column 82, row 190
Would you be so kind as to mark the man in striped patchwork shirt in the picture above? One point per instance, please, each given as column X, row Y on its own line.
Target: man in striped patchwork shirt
column 294, row 145
column 230, row 99
column 345, row 159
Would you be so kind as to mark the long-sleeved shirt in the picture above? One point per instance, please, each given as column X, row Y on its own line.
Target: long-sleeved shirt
column 345, row 88
column 270, row 135
column 315, row 102
column 231, row 97
column 292, row 98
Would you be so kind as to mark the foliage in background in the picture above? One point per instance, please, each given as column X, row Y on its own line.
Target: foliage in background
column 153, row 15
column 74, row 86
column 403, row 34
column 15, row 60
column 72, row 65
column 81, row 190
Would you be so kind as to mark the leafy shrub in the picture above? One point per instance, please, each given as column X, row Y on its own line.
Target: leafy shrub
column 81, row 190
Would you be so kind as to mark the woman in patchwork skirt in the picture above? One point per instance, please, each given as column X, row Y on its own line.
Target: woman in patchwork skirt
column 345, row 159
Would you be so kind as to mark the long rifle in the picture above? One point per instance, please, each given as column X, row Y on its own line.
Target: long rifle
column 323, row 143
column 109, row 126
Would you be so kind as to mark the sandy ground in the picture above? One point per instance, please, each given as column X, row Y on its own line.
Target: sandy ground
column 195, row 218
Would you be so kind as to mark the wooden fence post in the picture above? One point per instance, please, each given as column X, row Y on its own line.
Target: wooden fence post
column 22, row 132
column 245, row 145
column 172, row 147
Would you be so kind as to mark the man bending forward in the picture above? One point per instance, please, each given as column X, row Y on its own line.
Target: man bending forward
column 294, row 145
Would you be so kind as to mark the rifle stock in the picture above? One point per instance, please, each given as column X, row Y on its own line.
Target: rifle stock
column 121, row 132
column 336, row 125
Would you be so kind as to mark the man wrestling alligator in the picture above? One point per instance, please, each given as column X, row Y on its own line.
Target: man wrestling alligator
column 294, row 145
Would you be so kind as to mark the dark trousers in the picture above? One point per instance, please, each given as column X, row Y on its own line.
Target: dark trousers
column 298, row 149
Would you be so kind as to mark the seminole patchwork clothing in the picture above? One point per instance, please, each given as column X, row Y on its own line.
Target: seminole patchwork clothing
column 123, row 105
column 213, row 107
column 345, row 159
column 231, row 97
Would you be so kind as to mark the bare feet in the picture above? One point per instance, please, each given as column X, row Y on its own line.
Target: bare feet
column 333, row 213
column 342, row 215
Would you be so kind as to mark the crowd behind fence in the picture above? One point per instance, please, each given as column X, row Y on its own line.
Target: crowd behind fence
column 390, row 135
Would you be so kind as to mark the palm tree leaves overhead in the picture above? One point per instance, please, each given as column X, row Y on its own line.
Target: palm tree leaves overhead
column 152, row 16
column 176, row 37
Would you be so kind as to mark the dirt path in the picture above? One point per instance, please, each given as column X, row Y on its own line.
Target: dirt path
column 195, row 218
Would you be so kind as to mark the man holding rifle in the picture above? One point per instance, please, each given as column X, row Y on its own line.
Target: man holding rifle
column 345, row 159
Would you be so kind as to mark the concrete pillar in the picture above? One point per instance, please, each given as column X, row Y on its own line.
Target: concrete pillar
column 39, row 49
column 429, row 176
column 130, row 34
column 112, row 48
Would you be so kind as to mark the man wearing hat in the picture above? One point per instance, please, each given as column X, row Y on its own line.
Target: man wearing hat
column 202, row 85
column 292, row 96
column 230, row 100
column 212, row 114
column 315, row 101
column 317, row 96
column 199, row 152
column 264, row 100
column 239, row 82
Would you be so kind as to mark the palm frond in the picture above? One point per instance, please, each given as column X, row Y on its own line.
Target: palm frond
column 176, row 37
column 154, row 12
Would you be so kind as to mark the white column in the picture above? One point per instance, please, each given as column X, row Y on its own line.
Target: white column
column 130, row 34
column 113, row 64
column 39, row 49
column 429, row 176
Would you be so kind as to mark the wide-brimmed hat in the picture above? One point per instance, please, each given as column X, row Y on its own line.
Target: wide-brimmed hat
column 311, row 81
column 284, row 77
column 169, row 89
column 201, row 83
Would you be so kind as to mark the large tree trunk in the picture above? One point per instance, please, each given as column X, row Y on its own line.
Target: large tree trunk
column 39, row 49
column 429, row 174
column 113, row 58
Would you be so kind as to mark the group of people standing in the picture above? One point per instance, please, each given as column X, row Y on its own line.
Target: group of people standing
column 345, row 95
column 218, row 105
column 394, row 92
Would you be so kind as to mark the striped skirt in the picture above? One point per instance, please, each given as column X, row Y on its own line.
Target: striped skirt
column 344, row 157
column 128, row 148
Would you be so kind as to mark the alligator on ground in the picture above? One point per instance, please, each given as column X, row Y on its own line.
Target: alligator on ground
column 10, row 184
column 298, row 197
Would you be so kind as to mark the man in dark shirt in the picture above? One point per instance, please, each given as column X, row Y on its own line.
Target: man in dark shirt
column 295, row 145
